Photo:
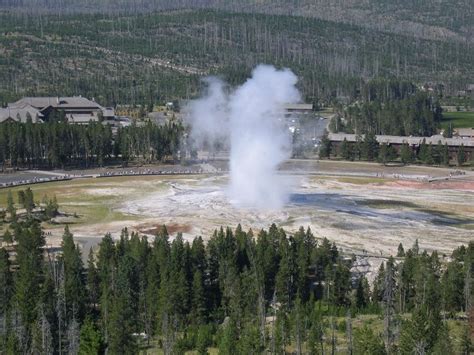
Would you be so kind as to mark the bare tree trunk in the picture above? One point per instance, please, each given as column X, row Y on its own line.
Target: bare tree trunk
column 349, row 332
column 60, row 306
column 388, row 307
column 333, row 336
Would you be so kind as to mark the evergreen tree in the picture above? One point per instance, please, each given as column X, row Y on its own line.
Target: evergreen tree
column 461, row 155
column 367, row 342
column 29, row 276
column 73, row 275
column 228, row 339
column 362, row 293
column 198, row 305
column 11, row 206
column 316, row 330
column 452, row 287
column 325, row 146
column 29, row 202
column 7, row 237
column 21, row 198
column 6, row 292
column 466, row 345
column 400, row 251
column 445, row 155
column 406, row 154
column 345, row 150
column 121, row 317
column 383, row 153
column 340, row 285
column 90, row 338
column 370, row 146
column 443, row 344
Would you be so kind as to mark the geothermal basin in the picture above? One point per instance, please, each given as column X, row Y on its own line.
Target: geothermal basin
column 358, row 214
column 362, row 207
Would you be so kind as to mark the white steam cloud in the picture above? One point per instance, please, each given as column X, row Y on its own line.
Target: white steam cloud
column 252, row 118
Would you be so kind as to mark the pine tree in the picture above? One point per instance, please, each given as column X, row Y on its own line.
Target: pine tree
column 345, row 150
column 362, row 293
column 73, row 275
column 466, row 345
column 429, row 155
column 121, row 317
column 228, row 339
column 199, row 311
column 406, row 154
column 11, row 206
column 106, row 266
column 22, row 198
column 249, row 341
column 383, row 156
column 29, row 202
column 341, row 285
column 6, row 292
column 443, row 344
column 90, row 339
column 423, row 151
column 325, row 147
column 7, row 237
column 370, row 146
column 367, row 342
column 316, row 331
column 452, row 287
column 445, row 155
column 283, row 284
column 400, row 251
column 461, row 155
column 29, row 276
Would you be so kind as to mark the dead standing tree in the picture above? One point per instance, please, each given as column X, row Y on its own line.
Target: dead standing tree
column 389, row 304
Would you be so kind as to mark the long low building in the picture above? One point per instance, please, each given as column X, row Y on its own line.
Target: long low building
column 411, row 141
column 414, row 142
column 301, row 108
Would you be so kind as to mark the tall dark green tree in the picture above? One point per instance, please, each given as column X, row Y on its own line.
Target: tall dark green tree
column 6, row 292
column 73, row 274
column 29, row 277
column 370, row 146
column 461, row 155
column 325, row 147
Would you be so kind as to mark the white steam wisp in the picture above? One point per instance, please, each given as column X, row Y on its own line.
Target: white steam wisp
column 252, row 117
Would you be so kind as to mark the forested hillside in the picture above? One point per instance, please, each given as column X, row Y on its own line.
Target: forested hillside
column 160, row 56
column 441, row 20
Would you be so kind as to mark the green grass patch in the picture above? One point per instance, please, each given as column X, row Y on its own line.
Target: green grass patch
column 458, row 119
column 361, row 180
column 378, row 203
column 468, row 226
column 91, row 200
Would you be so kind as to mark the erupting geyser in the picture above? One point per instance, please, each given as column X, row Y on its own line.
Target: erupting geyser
column 252, row 117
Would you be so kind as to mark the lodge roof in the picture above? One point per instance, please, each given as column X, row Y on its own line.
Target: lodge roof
column 413, row 141
column 57, row 102
column 20, row 114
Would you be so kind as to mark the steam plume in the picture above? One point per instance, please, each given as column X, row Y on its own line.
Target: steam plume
column 252, row 117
